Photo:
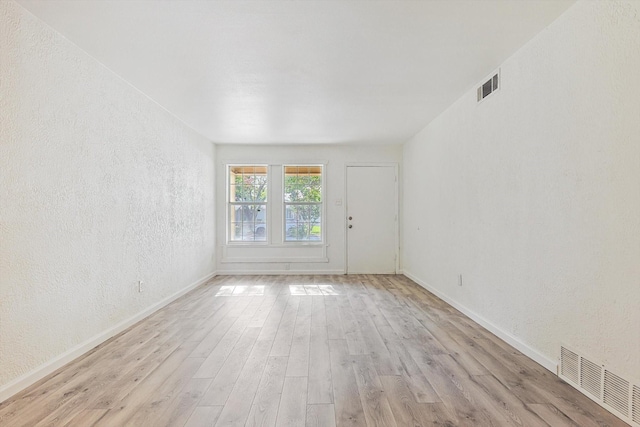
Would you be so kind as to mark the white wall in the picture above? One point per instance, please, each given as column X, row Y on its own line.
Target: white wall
column 99, row 188
column 335, row 157
column 534, row 194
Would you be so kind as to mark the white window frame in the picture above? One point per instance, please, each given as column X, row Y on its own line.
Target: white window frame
column 229, row 204
column 322, row 204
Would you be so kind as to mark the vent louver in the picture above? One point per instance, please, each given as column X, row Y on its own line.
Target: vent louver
column 569, row 365
column 590, row 377
column 616, row 393
column 635, row 405
column 613, row 392
column 488, row 87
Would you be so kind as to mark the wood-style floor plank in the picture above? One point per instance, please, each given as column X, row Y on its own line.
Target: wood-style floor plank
column 87, row 417
column 238, row 405
column 284, row 335
column 334, row 325
column 412, row 375
column 406, row 410
column 264, row 409
column 316, row 351
column 551, row 415
column 322, row 415
column 293, row 403
column 156, row 391
column 299, row 352
column 376, row 407
column 320, row 386
column 223, row 383
column 348, row 406
column 178, row 411
column 204, row 416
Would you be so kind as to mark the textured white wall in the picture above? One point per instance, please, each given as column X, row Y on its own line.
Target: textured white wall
column 99, row 188
column 336, row 157
column 534, row 194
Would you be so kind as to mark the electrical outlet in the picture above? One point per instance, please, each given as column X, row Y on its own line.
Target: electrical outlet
column 140, row 283
column 460, row 280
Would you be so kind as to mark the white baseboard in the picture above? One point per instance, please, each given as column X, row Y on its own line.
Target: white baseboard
column 527, row 350
column 21, row 383
column 275, row 272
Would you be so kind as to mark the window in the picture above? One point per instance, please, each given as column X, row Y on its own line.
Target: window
column 247, row 203
column 303, row 203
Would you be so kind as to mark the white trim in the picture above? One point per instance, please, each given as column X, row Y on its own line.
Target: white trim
column 278, row 259
column 275, row 246
column 268, row 160
column 527, row 350
column 276, row 272
column 371, row 164
column 30, row 378
column 272, row 260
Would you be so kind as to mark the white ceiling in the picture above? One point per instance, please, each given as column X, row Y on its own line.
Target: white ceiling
column 301, row 71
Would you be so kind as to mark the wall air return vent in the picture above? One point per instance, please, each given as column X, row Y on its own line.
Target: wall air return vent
column 590, row 377
column 570, row 365
column 489, row 87
column 618, row 395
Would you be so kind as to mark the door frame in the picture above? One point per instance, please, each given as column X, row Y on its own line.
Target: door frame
column 394, row 165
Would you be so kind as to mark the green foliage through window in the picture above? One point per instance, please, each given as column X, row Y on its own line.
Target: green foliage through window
column 303, row 203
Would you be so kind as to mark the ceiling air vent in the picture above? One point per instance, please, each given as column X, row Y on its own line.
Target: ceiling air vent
column 488, row 87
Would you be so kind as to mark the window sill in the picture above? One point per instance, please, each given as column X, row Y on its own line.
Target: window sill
column 279, row 245
column 274, row 260
column 248, row 245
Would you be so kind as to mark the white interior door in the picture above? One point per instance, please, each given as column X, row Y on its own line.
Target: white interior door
column 372, row 228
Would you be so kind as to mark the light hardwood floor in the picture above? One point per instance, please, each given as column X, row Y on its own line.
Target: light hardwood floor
column 355, row 350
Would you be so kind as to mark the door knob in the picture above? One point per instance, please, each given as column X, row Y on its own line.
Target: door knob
column 350, row 226
column 350, row 218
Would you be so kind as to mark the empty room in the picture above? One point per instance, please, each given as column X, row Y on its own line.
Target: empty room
column 319, row 213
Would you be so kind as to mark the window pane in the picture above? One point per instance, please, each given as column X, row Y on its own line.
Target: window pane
column 303, row 202
column 303, row 222
column 249, row 170
column 253, row 193
column 236, row 231
column 291, row 224
column 316, row 231
column 312, row 193
column 235, row 192
column 247, row 222
column 303, row 184
column 260, row 179
column 260, row 223
column 290, row 183
column 247, row 231
column 235, row 213
column 260, row 193
column 247, row 183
